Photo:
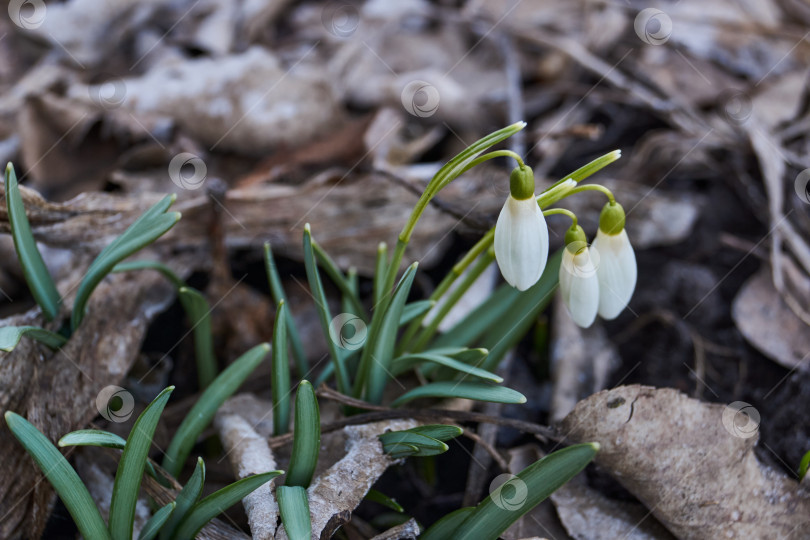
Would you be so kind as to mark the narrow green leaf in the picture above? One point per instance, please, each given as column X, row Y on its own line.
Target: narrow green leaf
column 467, row 390
column 804, row 465
column 381, row 498
column 280, row 382
column 168, row 273
column 152, row 527
column 401, row 450
column 333, row 271
column 130, row 468
column 219, row 501
column 440, row 432
column 587, row 170
column 199, row 315
column 382, row 342
column 509, row 329
column 277, row 291
column 410, row 437
column 519, row 495
column 446, row 527
column 403, row 363
column 380, row 269
column 294, row 509
column 185, row 500
column 412, row 310
column 206, row 407
column 324, row 314
column 306, row 437
column 92, row 437
column 36, row 274
column 471, row 327
column 145, row 230
column 10, row 337
column 62, row 477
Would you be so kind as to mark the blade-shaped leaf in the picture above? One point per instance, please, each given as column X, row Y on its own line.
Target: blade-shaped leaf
column 468, row 329
column 412, row 438
column 152, row 527
column 219, row 501
column 277, row 291
column 325, row 317
column 383, row 341
column 36, row 274
column 403, row 363
column 206, row 406
column 294, row 509
column 168, row 273
column 331, row 268
column 446, row 527
column 185, row 500
column 449, row 389
column 199, row 315
column 10, row 337
column 531, row 486
column 280, row 382
column 62, row 477
column 130, row 468
column 440, row 432
column 145, row 230
column 306, row 437
column 412, row 310
column 381, row 498
column 93, row 437
column 380, row 269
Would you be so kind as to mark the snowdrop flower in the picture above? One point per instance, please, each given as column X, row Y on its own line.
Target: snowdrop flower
column 579, row 284
column 617, row 270
column 521, row 233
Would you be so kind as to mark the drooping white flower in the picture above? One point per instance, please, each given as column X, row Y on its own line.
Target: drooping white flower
column 617, row 270
column 579, row 284
column 521, row 242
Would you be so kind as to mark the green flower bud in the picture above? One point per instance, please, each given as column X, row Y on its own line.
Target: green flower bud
column 611, row 220
column 575, row 234
column 521, row 183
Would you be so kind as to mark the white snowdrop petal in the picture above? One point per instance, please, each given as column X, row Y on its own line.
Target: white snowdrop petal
column 579, row 286
column 521, row 242
column 617, row 272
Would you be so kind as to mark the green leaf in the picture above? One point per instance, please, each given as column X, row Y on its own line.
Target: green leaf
column 324, row 315
column 382, row 342
column 331, row 268
column 199, row 315
column 471, row 327
column 280, row 382
column 587, row 170
column 36, row 274
column 477, row 391
column 62, row 477
column 146, row 229
column 381, row 498
column 185, row 500
column 168, row 273
column 804, row 465
column 92, row 437
column 306, row 437
column 446, row 527
column 294, row 509
column 152, row 527
column 509, row 329
column 403, row 363
column 219, row 501
column 519, row 495
column 440, row 432
column 412, row 310
column 131, row 467
column 412, row 438
column 277, row 291
column 206, row 407
column 398, row 451
column 10, row 337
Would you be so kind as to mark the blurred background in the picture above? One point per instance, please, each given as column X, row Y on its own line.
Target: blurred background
column 268, row 114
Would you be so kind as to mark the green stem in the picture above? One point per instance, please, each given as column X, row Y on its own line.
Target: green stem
column 563, row 211
column 587, row 170
column 593, row 187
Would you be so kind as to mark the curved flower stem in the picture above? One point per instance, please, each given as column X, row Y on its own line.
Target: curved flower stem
column 563, row 211
column 593, row 187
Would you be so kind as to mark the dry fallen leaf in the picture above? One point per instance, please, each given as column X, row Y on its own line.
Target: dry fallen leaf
column 691, row 463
